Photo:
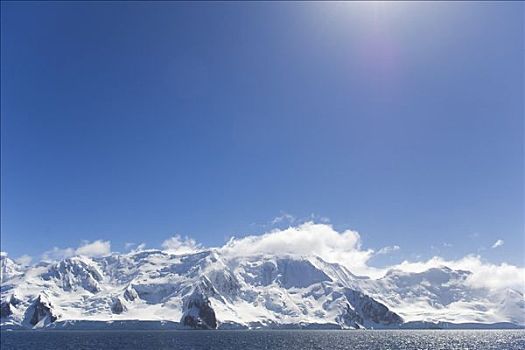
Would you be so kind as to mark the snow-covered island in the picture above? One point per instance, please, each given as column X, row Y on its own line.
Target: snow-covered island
column 155, row 289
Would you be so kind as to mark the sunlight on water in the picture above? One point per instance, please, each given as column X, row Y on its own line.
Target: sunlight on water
column 290, row 340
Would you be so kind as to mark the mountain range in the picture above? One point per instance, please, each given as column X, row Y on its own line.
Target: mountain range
column 212, row 290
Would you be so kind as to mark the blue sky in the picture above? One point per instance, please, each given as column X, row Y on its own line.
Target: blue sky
column 132, row 122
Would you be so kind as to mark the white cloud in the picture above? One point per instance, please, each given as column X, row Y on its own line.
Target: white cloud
column 93, row 249
column 284, row 217
column 179, row 245
column 133, row 247
column 484, row 274
column 345, row 248
column 320, row 239
column 324, row 219
column 306, row 239
column 57, row 253
column 495, row 277
column 388, row 250
column 24, row 260
column 317, row 218
column 97, row 248
column 498, row 243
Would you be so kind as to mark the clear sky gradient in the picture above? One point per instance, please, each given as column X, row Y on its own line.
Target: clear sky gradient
column 135, row 121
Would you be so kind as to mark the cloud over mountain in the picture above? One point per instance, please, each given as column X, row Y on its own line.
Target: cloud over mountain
column 181, row 245
column 306, row 239
column 92, row 249
column 322, row 240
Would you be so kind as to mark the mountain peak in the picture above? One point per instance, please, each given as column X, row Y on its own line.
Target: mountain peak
column 210, row 288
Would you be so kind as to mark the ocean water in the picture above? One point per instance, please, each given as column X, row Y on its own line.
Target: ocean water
column 243, row 340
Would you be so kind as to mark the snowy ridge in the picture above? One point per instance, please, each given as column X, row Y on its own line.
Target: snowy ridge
column 209, row 290
column 444, row 295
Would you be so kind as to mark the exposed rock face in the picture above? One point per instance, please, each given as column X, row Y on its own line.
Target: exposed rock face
column 351, row 318
column 14, row 300
column 7, row 305
column 211, row 289
column 118, row 307
column 42, row 310
column 372, row 310
column 130, row 294
column 5, row 309
column 198, row 313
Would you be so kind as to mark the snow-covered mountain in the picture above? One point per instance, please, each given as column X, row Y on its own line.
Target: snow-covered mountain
column 445, row 295
column 210, row 290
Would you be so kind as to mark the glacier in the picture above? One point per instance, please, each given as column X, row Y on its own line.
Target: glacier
column 211, row 290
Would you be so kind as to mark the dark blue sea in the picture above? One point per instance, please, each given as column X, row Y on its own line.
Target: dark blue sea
column 243, row 340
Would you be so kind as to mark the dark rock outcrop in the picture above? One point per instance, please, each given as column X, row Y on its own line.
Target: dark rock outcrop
column 198, row 313
column 117, row 307
column 351, row 318
column 14, row 300
column 42, row 309
column 5, row 309
column 130, row 294
column 371, row 310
